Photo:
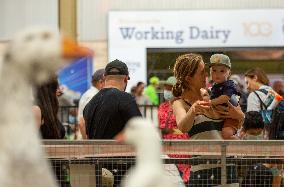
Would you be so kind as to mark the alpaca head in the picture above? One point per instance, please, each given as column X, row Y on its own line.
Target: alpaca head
column 39, row 52
column 139, row 131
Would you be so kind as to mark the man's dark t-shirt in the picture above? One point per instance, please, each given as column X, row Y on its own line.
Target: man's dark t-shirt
column 107, row 113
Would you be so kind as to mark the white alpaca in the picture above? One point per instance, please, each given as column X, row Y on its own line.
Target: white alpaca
column 31, row 57
column 148, row 171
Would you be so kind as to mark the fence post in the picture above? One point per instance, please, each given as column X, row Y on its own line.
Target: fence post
column 223, row 164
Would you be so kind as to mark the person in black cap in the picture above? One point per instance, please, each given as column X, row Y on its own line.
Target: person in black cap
column 109, row 110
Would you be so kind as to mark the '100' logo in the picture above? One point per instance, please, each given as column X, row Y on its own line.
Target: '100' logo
column 254, row 29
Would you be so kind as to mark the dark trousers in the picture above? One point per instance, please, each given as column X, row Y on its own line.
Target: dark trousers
column 212, row 177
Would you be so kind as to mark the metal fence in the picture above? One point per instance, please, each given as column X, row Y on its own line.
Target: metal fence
column 150, row 112
column 209, row 163
column 68, row 114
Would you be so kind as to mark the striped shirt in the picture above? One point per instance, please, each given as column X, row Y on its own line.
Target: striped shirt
column 206, row 128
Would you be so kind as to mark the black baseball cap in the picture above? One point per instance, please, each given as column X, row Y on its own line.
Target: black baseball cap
column 116, row 67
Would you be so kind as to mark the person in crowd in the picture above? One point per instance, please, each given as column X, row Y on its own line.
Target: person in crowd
column 241, row 90
column 278, row 87
column 133, row 90
column 257, row 84
column 68, row 112
column 98, row 83
column 167, row 121
column 195, row 116
column 46, row 110
column 67, row 96
column 108, row 111
column 256, row 80
column 223, row 91
column 168, row 126
column 151, row 92
column 253, row 126
column 190, row 105
column 140, row 98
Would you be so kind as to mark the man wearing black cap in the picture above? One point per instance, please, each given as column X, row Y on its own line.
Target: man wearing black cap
column 107, row 112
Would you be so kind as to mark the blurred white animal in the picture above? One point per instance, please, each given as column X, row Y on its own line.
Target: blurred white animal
column 31, row 57
column 148, row 171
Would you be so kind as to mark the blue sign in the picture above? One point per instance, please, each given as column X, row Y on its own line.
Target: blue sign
column 78, row 75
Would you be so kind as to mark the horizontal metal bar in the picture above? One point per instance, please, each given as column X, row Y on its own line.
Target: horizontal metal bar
column 167, row 142
column 191, row 161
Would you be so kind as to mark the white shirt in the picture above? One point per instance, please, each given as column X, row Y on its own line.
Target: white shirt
column 253, row 103
column 84, row 100
column 142, row 100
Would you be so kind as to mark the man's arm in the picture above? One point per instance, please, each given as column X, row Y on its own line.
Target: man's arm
column 82, row 128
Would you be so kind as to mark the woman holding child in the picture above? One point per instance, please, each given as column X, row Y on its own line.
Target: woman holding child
column 194, row 115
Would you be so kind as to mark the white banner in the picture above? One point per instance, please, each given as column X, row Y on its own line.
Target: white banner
column 130, row 33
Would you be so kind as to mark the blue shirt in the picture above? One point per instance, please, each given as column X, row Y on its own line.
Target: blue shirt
column 228, row 88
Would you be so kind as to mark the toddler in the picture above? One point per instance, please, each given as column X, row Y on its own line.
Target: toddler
column 253, row 126
column 223, row 90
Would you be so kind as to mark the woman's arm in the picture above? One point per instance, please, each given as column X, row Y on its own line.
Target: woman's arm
column 185, row 119
column 233, row 112
column 37, row 114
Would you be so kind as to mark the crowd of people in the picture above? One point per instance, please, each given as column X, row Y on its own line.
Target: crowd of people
column 225, row 101
column 225, row 110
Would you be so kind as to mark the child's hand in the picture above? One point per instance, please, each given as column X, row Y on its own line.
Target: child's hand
column 199, row 106
column 212, row 104
column 204, row 94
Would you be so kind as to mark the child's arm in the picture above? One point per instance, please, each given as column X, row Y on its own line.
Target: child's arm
column 220, row 100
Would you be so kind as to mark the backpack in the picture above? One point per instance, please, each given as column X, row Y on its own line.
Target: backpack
column 274, row 119
column 276, row 130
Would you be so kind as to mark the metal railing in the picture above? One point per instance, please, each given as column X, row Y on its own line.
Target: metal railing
column 68, row 114
column 223, row 162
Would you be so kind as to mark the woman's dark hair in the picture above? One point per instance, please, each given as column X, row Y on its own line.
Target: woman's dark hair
column 259, row 73
column 139, row 83
column 186, row 65
column 47, row 100
column 133, row 90
column 253, row 120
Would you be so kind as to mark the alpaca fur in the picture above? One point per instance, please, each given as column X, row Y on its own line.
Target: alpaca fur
column 31, row 57
column 148, row 171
